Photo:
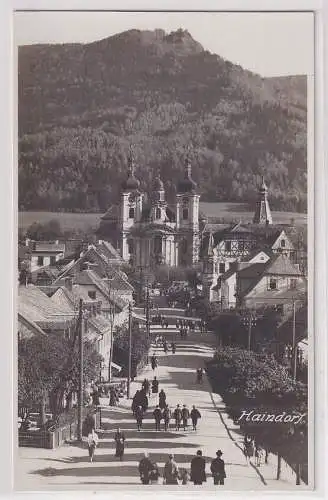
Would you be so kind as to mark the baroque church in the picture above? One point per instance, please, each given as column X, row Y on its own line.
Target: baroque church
column 154, row 233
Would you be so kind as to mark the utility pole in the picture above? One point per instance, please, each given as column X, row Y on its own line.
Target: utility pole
column 130, row 351
column 80, row 393
column 249, row 321
column 147, row 314
column 294, row 359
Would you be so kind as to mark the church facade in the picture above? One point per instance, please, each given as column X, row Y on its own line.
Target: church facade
column 152, row 232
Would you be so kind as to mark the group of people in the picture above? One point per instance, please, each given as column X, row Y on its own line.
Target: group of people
column 253, row 449
column 173, row 475
column 159, row 319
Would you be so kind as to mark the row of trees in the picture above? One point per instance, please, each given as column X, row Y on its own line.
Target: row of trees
column 249, row 381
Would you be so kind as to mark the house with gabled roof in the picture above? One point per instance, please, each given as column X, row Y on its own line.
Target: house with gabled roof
column 276, row 282
column 38, row 312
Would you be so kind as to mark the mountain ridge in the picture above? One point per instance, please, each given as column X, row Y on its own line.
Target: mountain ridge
column 82, row 106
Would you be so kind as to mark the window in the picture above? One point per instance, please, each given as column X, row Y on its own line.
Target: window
column 92, row 294
column 131, row 213
column 293, row 284
column 158, row 244
column 241, row 246
column 222, row 267
column 158, row 213
column 273, row 284
column 40, row 260
column 52, row 260
column 185, row 213
column 283, row 243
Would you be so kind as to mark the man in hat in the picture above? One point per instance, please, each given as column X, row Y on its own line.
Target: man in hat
column 218, row 469
column 171, row 471
column 197, row 468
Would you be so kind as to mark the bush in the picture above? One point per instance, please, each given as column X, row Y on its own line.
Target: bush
column 246, row 381
column 139, row 349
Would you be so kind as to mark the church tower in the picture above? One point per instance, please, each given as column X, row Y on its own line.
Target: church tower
column 262, row 211
column 158, row 203
column 187, row 218
column 130, row 212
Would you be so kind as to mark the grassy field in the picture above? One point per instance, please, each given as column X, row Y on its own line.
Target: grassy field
column 230, row 212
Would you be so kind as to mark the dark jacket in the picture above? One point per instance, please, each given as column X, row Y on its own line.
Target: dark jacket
column 157, row 414
column 217, row 467
column 154, row 386
column 195, row 415
column 185, row 413
column 197, row 469
column 145, row 467
column 177, row 414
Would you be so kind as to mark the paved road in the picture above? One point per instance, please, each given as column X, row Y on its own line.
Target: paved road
column 69, row 468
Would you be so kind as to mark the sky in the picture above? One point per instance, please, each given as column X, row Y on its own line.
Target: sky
column 271, row 44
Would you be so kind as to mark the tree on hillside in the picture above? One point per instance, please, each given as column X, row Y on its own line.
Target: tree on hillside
column 48, row 231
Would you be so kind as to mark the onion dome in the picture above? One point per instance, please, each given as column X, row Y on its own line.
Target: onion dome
column 131, row 183
column 187, row 184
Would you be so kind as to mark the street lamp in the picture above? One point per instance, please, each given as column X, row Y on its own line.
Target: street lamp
column 249, row 321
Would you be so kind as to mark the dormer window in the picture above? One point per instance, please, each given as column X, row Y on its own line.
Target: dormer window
column 131, row 213
column 283, row 243
column 273, row 284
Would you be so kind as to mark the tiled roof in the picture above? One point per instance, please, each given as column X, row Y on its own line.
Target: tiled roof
column 48, row 246
column 105, row 248
column 28, row 328
column 37, row 307
column 281, row 265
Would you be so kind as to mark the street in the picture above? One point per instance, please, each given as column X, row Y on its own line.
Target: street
column 68, row 467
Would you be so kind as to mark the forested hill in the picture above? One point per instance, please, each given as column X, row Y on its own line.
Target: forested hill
column 81, row 107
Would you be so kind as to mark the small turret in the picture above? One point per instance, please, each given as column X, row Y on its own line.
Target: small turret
column 262, row 210
column 131, row 183
column 187, row 184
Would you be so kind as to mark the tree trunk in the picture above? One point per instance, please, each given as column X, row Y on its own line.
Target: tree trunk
column 42, row 418
column 278, row 466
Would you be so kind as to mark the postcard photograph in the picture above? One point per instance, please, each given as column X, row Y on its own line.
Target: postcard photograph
column 164, row 174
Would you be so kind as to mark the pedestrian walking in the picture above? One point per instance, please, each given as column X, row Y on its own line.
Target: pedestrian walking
column 154, row 386
column 119, row 439
column 139, row 417
column 166, row 324
column 157, row 416
column 146, row 386
column 258, row 455
column 199, row 375
column 218, row 469
column 143, row 400
column 197, row 469
column 166, row 417
column 185, row 416
column 146, row 467
column 248, row 447
column 173, row 347
column 177, row 414
column 195, row 415
column 165, row 348
column 153, row 362
column 92, row 443
column 162, row 399
column 171, row 471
